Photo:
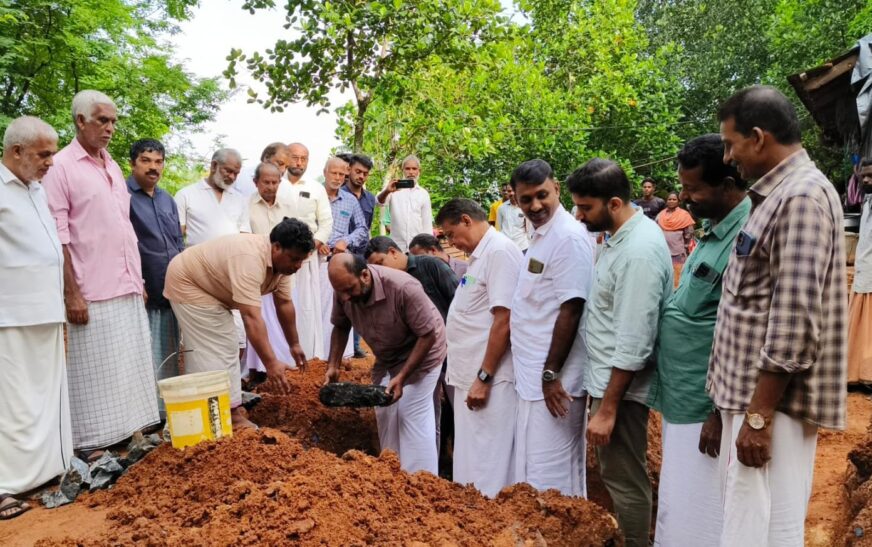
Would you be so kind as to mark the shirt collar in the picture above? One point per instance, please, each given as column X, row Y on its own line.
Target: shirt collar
column 479, row 250
column 413, row 262
column 8, row 176
column 771, row 180
column 378, row 289
column 543, row 230
column 724, row 227
column 80, row 152
column 256, row 198
column 624, row 230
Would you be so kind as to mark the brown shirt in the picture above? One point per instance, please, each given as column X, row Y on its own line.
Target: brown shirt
column 227, row 271
column 784, row 301
column 397, row 313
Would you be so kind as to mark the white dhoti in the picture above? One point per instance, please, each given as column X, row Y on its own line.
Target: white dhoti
column 111, row 376
column 36, row 439
column 326, row 310
column 549, row 451
column 484, row 440
column 766, row 506
column 209, row 337
column 307, row 303
column 689, row 510
column 408, row 427
column 276, row 335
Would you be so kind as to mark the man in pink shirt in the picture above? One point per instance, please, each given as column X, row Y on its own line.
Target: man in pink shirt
column 111, row 380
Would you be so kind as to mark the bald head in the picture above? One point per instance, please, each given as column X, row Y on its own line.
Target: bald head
column 298, row 161
column 350, row 277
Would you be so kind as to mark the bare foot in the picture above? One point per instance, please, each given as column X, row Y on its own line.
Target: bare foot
column 239, row 419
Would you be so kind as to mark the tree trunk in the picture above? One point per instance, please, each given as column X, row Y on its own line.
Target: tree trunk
column 360, row 125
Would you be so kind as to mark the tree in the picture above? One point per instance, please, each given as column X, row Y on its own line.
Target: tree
column 371, row 48
column 50, row 50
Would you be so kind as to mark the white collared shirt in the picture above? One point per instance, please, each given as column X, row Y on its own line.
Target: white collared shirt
column 32, row 271
column 863, row 256
column 206, row 218
column 558, row 267
column 489, row 283
column 245, row 181
column 513, row 224
column 308, row 202
column 411, row 214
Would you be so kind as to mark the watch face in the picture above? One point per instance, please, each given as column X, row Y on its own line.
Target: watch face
column 756, row 421
column 482, row 375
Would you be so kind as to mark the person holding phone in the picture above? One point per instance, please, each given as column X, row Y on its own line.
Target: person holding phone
column 409, row 205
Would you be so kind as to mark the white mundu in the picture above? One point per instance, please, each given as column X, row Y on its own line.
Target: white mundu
column 308, row 202
column 558, row 267
column 513, row 224
column 205, row 218
column 36, row 439
column 411, row 214
column 483, row 438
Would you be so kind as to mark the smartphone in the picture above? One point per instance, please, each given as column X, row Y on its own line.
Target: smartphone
column 405, row 183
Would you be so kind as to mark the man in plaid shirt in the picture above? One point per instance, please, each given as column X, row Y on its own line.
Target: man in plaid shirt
column 778, row 365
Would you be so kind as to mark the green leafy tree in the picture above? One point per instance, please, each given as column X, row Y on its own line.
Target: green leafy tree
column 50, row 50
column 372, row 48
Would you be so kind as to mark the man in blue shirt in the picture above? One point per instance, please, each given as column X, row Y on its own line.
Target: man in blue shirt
column 155, row 220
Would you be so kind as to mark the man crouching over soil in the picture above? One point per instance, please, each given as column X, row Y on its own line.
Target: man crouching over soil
column 391, row 311
column 208, row 280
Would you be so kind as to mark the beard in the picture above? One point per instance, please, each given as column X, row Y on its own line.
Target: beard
column 217, row 181
column 296, row 171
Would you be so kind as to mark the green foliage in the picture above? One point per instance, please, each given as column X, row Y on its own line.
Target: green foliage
column 50, row 50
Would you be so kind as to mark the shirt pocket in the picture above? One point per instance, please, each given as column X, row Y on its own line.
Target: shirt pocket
column 700, row 298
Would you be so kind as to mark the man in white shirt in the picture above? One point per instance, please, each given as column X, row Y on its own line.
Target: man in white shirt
column 275, row 153
column 212, row 208
column 548, row 352
column 479, row 357
column 307, row 201
column 512, row 222
column 35, row 429
column 410, row 209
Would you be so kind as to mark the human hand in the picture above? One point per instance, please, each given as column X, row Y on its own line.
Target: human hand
column 392, row 186
column 753, row 447
column 340, row 247
column 77, row 309
column 275, row 377
column 299, row 356
column 478, row 394
column 556, row 398
column 332, row 374
column 323, row 250
column 710, row 436
column 600, row 426
column 395, row 387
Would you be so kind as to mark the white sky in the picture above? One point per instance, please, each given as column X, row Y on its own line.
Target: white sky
column 203, row 44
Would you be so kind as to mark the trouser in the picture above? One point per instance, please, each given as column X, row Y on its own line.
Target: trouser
column 443, row 401
column 689, row 509
column 408, row 427
column 624, row 469
column 209, row 335
column 766, row 506
column 549, row 451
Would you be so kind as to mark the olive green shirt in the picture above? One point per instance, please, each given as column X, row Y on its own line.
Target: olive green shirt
column 687, row 324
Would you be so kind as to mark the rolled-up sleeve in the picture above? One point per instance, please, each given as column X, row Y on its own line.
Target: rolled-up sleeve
column 57, row 191
column 637, row 298
column 801, row 236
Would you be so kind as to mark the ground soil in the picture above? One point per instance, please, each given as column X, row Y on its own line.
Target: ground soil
column 259, row 489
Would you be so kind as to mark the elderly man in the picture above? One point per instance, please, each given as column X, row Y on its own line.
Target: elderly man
column 109, row 355
column 633, row 279
column 405, row 332
column 548, row 354
column 689, row 502
column 778, row 366
column 410, row 210
column 479, row 356
column 155, row 220
column 307, row 201
column 428, row 244
column 35, row 430
column 233, row 272
column 275, row 153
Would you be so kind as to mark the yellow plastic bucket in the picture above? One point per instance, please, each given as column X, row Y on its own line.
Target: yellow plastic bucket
column 198, row 407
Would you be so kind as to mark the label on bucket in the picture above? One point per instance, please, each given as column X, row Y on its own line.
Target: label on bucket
column 215, row 418
column 187, row 422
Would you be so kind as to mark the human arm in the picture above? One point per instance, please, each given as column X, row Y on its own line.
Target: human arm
column 565, row 330
column 497, row 344
column 77, row 307
column 710, row 435
column 382, row 197
column 423, row 345
column 287, row 316
column 358, row 236
column 255, row 330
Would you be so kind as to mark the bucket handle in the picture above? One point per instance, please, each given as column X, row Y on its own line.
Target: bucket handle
column 170, row 356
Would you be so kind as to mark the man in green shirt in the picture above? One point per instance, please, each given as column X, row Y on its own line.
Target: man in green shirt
column 689, row 500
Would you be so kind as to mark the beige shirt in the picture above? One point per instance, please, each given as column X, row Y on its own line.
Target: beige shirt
column 228, row 271
column 263, row 216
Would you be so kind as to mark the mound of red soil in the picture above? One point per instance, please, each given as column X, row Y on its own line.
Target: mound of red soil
column 264, row 488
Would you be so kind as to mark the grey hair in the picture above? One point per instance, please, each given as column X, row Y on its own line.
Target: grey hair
column 333, row 159
column 411, row 157
column 259, row 170
column 27, row 130
column 223, row 155
column 85, row 101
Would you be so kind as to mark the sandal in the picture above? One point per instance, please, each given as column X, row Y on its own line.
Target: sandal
column 90, row 456
column 17, row 507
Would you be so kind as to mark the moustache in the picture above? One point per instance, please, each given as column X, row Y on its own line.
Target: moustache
column 153, row 172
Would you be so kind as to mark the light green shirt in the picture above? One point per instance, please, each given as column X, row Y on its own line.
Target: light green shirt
column 688, row 324
column 633, row 280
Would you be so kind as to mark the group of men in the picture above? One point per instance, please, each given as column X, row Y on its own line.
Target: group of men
column 542, row 344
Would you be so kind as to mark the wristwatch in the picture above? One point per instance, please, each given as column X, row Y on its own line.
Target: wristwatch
column 484, row 376
column 756, row 421
column 548, row 375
